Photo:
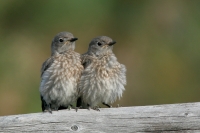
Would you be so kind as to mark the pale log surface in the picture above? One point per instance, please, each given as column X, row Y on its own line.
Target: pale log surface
column 159, row 118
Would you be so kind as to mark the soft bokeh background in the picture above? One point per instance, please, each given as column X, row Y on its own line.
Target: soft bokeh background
column 158, row 41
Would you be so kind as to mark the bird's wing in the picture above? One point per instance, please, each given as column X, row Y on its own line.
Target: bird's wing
column 46, row 65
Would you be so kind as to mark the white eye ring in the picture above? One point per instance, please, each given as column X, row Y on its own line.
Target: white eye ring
column 61, row 40
column 99, row 44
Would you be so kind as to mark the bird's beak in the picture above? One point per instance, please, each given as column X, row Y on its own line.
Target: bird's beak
column 73, row 39
column 111, row 43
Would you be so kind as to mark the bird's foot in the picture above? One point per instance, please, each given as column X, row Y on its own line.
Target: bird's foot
column 76, row 108
column 96, row 108
column 72, row 107
column 48, row 110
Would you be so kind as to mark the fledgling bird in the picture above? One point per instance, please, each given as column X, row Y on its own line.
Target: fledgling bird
column 103, row 78
column 60, row 74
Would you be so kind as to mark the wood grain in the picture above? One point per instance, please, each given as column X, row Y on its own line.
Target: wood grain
column 171, row 118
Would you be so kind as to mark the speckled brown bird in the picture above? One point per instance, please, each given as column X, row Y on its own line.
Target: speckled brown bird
column 103, row 78
column 60, row 74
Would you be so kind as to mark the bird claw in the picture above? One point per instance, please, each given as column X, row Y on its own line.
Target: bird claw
column 76, row 108
column 48, row 110
column 96, row 108
column 72, row 107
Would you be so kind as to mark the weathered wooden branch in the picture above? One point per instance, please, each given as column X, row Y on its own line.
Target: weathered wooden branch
column 159, row 118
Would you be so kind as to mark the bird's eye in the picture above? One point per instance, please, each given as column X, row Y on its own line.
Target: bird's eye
column 99, row 44
column 61, row 40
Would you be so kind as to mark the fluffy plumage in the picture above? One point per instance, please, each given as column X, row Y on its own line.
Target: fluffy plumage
column 103, row 78
column 60, row 74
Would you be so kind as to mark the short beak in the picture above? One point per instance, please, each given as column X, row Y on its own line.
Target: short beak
column 111, row 43
column 73, row 39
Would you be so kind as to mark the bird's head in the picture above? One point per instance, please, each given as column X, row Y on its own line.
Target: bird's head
column 101, row 45
column 62, row 42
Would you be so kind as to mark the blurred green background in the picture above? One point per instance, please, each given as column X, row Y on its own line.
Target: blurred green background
column 157, row 40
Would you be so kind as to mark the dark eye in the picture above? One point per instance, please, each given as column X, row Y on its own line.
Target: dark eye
column 99, row 44
column 61, row 40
